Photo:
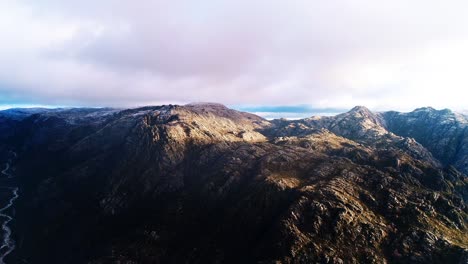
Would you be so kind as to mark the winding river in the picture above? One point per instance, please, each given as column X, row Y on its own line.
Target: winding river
column 8, row 244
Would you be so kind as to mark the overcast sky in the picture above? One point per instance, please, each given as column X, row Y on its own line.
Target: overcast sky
column 395, row 54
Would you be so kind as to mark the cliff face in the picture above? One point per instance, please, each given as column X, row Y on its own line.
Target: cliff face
column 202, row 183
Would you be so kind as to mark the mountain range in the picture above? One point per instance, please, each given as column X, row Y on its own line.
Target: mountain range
column 202, row 183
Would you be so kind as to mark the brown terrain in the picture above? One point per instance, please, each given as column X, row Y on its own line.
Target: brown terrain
column 203, row 183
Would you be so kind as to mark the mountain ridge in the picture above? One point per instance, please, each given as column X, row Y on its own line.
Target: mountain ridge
column 203, row 183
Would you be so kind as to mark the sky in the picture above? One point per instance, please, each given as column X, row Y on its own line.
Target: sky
column 251, row 54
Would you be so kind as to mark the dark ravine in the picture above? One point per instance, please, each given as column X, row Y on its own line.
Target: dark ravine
column 203, row 183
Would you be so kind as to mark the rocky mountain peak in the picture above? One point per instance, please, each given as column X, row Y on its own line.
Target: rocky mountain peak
column 207, row 105
column 358, row 123
column 362, row 113
column 443, row 132
column 425, row 109
column 222, row 111
column 361, row 110
column 432, row 111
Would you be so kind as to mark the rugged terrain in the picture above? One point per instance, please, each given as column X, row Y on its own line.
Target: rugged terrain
column 202, row 183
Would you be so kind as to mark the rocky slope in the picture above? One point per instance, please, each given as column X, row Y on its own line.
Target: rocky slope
column 442, row 132
column 202, row 183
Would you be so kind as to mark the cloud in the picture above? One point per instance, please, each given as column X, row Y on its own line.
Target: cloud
column 334, row 54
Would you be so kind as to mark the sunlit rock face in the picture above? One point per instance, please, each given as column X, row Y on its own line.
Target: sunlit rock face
column 203, row 183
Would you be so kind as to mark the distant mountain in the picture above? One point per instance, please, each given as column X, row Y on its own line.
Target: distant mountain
column 442, row 132
column 203, row 183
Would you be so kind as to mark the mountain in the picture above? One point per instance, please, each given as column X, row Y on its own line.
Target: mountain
column 202, row 183
column 442, row 132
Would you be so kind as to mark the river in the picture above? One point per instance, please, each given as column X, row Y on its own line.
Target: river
column 10, row 192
